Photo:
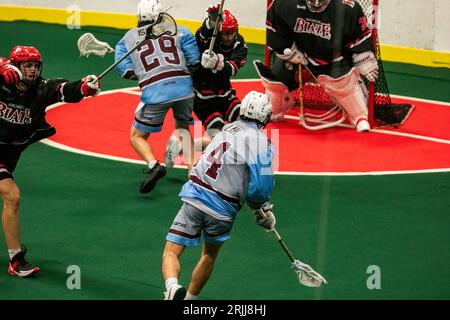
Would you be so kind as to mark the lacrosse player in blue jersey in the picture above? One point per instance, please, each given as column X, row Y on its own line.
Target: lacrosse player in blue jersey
column 162, row 67
column 235, row 168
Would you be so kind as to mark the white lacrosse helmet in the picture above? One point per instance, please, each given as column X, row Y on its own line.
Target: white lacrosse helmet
column 256, row 107
column 148, row 10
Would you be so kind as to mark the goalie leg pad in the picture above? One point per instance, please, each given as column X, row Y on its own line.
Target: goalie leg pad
column 281, row 99
column 349, row 92
column 277, row 88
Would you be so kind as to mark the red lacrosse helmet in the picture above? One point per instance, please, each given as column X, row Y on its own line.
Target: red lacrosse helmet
column 24, row 54
column 21, row 54
column 230, row 22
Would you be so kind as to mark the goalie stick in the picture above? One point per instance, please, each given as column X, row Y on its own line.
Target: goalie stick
column 316, row 118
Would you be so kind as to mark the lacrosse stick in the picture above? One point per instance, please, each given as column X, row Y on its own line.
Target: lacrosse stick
column 88, row 44
column 216, row 27
column 164, row 25
column 306, row 275
column 316, row 117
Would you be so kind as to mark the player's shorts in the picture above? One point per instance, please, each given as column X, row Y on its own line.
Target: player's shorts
column 214, row 113
column 150, row 117
column 9, row 156
column 189, row 223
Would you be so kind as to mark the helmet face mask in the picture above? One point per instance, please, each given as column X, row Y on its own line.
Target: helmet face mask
column 228, row 37
column 149, row 10
column 228, row 28
column 256, row 107
column 29, row 61
column 30, row 71
column 317, row 5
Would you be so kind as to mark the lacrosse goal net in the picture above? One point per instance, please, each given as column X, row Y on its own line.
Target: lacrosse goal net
column 315, row 101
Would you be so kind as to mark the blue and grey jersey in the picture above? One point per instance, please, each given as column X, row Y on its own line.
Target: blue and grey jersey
column 160, row 65
column 235, row 167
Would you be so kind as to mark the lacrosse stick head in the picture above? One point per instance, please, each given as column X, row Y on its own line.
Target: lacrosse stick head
column 164, row 25
column 306, row 275
column 88, row 44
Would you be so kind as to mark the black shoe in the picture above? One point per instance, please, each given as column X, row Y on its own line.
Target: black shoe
column 153, row 175
column 20, row 267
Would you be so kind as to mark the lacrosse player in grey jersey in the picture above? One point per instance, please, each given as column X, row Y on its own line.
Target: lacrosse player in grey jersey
column 235, row 168
column 162, row 68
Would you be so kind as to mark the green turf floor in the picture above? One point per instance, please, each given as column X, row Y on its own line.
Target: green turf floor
column 84, row 211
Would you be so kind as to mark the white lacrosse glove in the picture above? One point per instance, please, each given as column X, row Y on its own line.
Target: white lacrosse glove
column 264, row 217
column 213, row 61
column 366, row 64
column 293, row 55
column 90, row 86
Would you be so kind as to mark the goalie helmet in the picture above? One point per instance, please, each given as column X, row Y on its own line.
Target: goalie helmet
column 21, row 54
column 149, row 10
column 256, row 107
column 317, row 5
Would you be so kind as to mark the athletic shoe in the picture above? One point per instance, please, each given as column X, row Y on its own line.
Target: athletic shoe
column 175, row 292
column 362, row 125
column 20, row 267
column 153, row 175
column 173, row 149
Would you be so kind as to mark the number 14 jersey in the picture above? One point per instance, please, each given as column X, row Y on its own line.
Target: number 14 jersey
column 235, row 167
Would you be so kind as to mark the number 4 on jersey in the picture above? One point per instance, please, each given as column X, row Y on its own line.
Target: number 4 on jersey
column 215, row 158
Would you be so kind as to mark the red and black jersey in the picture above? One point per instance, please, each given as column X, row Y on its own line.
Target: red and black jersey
column 328, row 39
column 22, row 114
column 206, row 82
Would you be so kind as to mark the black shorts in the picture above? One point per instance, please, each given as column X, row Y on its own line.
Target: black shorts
column 216, row 112
column 9, row 156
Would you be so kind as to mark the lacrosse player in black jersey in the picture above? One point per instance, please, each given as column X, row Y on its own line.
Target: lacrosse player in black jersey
column 333, row 38
column 24, row 96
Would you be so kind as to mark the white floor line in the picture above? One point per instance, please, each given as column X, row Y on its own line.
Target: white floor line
column 383, row 131
column 130, row 90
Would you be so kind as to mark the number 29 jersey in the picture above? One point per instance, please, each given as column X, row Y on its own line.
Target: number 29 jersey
column 235, row 167
column 159, row 65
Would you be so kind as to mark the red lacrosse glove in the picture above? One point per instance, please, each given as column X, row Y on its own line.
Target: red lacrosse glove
column 90, row 86
column 10, row 73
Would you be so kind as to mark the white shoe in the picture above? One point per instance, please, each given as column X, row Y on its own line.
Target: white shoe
column 173, row 150
column 175, row 292
column 363, row 126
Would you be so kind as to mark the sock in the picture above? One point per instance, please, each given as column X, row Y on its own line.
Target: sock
column 13, row 252
column 190, row 296
column 170, row 282
column 151, row 164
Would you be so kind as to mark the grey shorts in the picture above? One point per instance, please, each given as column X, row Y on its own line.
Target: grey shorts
column 189, row 223
column 150, row 117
